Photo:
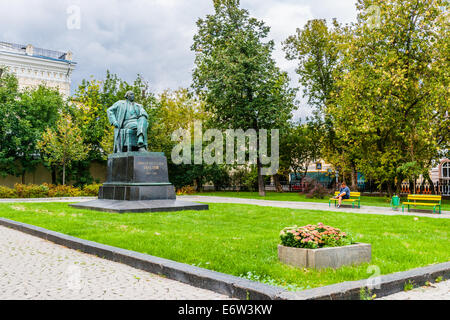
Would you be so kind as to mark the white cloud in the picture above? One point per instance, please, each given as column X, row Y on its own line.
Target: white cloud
column 151, row 37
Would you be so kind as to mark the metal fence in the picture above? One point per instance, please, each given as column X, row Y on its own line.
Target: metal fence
column 437, row 188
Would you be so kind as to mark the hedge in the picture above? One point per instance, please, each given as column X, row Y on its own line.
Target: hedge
column 48, row 191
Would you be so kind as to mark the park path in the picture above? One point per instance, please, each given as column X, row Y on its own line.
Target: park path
column 435, row 291
column 315, row 206
column 33, row 268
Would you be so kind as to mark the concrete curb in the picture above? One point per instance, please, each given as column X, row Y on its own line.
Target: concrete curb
column 231, row 285
column 381, row 286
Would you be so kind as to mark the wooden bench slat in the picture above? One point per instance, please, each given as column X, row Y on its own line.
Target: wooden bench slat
column 356, row 194
column 421, row 203
column 416, row 196
column 431, row 199
column 355, row 197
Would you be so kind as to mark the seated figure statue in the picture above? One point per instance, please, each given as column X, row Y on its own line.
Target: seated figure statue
column 130, row 121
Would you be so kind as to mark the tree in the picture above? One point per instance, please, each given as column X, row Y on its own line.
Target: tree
column 236, row 75
column 23, row 118
column 179, row 109
column 64, row 144
column 174, row 110
column 392, row 99
column 39, row 108
column 299, row 147
column 9, row 95
column 319, row 52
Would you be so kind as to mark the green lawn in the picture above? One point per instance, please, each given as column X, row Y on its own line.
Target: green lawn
column 242, row 239
column 294, row 196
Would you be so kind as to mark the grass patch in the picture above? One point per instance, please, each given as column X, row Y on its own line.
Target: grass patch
column 295, row 196
column 242, row 239
column 408, row 286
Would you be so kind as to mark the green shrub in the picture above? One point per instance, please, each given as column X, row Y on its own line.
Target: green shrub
column 186, row 190
column 91, row 190
column 6, row 192
column 65, row 191
column 31, row 190
column 46, row 190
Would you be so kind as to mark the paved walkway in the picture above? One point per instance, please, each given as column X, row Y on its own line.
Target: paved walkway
column 436, row 291
column 33, row 268
column 315, row 206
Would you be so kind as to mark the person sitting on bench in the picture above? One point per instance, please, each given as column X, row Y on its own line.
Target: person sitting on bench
column 344, row 193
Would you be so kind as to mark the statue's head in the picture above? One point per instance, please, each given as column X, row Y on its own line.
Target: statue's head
column 129, row 96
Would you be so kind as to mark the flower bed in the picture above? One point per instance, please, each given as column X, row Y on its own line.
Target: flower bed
column 320, row 246
column 314, row 236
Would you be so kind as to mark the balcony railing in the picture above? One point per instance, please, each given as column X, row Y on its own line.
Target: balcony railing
column 14, row 47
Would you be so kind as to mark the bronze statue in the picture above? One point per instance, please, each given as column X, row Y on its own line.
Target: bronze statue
column 130, row 121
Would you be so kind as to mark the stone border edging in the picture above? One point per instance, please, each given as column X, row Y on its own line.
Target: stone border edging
column 387, row 284
column 231, row 285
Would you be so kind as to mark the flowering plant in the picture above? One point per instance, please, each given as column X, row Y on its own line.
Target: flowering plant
column 314, row 236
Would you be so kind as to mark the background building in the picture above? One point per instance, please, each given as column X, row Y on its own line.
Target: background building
column 34, row 66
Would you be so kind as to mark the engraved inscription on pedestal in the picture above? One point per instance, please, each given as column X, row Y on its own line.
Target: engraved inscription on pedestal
column 150, row 170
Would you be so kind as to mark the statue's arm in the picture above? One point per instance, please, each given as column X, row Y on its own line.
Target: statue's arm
column 143, row 113
column 111, row 112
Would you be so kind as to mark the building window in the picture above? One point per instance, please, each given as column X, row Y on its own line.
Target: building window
column 318, row 166
column 446, row 170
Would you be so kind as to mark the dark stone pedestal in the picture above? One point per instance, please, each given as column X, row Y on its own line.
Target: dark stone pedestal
column 138, row 182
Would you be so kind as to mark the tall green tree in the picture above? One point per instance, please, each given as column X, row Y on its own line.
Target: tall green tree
column 9, row 95
column 392, row 100
column 236, row 75
column 318, row 49
column 23, row 118
column 64, row 144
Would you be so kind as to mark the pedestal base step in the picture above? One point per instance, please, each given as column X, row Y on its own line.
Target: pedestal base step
column 123, row 206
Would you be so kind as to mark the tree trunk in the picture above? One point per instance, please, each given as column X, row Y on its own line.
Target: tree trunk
column 276, row 180
column 354, row 178
column 261, row 189
column 53, row 175
column 428, row 178
column 23, row 177
column 389, row 189
column 398, row 186
column 64, row 174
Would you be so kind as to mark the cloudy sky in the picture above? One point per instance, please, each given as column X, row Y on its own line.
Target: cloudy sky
column 150, row 37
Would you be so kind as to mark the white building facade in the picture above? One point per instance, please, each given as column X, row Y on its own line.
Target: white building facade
column 35, row 66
